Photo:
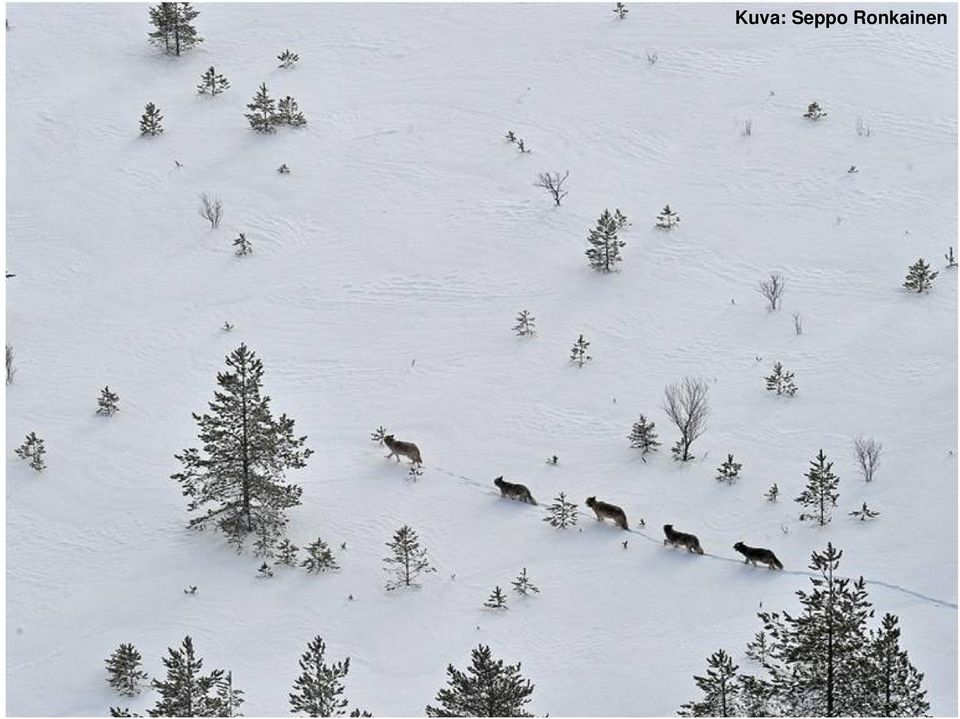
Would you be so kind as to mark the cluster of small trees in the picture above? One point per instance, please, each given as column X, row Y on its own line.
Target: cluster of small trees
column 825, row 661
column 266, row 114
column 522, row 585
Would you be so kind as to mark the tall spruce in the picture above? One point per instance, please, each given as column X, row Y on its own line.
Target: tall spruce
column 919, row 277
column 720, row 687
column 318, row 691
column 288, row 113
column 820, row 494
column 407, row 561
column 561, row 514
column 237, row 478
column 643, row 437
column 487, row 689
column 150, row 121
column 319, row 558
column 174, row 30
column 263, row 110
column 187, row 691
column 604, row 250
column 125, row 670
column 895, row 688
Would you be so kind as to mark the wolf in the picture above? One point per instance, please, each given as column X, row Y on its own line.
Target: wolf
column 608, row 511
column 407, row 449
column 514, row 491
column 758, row 554
column 681, row 539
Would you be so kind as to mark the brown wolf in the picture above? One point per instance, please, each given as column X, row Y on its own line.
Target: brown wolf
column 514, row 491
column 758, row 554
column 681, row 539
column 398, row 448
column 608, row 511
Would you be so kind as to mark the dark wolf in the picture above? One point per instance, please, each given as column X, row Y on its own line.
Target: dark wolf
column 681, row 539
column 608, row 511
column 398, row 448
column 514, row 491
column 755, row 555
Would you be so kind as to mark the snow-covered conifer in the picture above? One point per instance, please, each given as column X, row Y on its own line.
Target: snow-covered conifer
column 604, row 250
column 125, row 670
column 864, row 513
column 895, row 688
column 523, row 585
column 919, row 277
column 620, row 220
column 288, row 113
column 621, row 10
column 212, row 83
column 814, row 111
column 242, row 245
column 287, row 553
column 150, row 120
column 32, row 450
column 561, row 513
column 772, row 493
column 265, row 572
column 378, row 434
column 186, row 691
column 781, row 381
column 578, row 355
column 497, row 599
column 407, row 560
column 319, row 558
column 487, row 689
column 318, row 691
column 644, row 437
column 720, row 687
column 729, row 471
column 263, row 110
column 667, row 219
column 820, row 493
column 108, row 402
column 288, row 59
column 526, row 324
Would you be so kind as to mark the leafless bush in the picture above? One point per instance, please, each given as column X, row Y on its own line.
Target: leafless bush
column 553, row 183
column 11, row 370
column 652, row 57
column 685, row 403
column 746, row 128
column 863, row 128
column 798, row 323
column 210, row 209
column 772, row 289
column 868, row 452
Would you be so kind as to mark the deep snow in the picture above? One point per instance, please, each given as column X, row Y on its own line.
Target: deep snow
column 409, row 230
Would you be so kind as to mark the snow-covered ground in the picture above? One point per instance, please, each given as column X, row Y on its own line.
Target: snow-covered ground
column 408, row 230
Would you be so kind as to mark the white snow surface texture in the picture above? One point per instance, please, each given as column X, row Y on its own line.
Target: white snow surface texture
column 409, row 229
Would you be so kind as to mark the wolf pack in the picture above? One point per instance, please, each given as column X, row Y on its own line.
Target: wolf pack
column 603, row 511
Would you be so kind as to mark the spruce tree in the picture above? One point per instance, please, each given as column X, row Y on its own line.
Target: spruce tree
column 319, row 558
column 242, row 246
column 561, row 514
column 318, row 691
column 230, row 698
column 667, row 219
column 378, row 434
column 758, row 649
column 32, row 450
column 407, row 561
column 621, row 10
column 287, row 553
column 526, row 324
column 487, row 689
column 288, row 113
column 643, row 437
column 578, row 355
column 781, row 381
column 497, row 599
column 125, row 670
column 772, row 493
column 604, row 250
column 895, row 686
column 720, row 687
column 174, row 31
column 814, row 111
column 820, row 493
column 237, row 478
column 864, row 513
column 262, row 115
column 163, row 18
column 729, row 470
column 620, row 220
column 186, row 691
column 107, row 402
column 523, row 585
column 212, row 83
column 919, row 277
column 150, row 120
column 288, row 59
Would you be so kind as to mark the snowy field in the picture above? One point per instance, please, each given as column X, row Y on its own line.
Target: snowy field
column 409, row 229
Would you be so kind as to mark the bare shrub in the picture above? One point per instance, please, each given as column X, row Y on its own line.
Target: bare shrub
column 210, row 209
column 685, row 403
column 746, row 128
column 798, row 323
column 652, row 57
column 772, row 289
column 553, row 183
column 11, row 370
column 868, row 452
column 863, row 128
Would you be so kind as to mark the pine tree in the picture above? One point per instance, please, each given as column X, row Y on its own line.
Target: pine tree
column 895, row 685
column 265, row 572
column 781, row 381
column 720, row 687
column 243, row 246
column 820, row 493
column 643, row 437
column 288, row 59
column 756, row 697
column 174, row 32
column 288, row 113
column 318, row 690
column 523, row 585
column 262, row 115
column 667, row 219
column 378, row 434
column 283, row 169
column 163, row 17
column 526, row 324
column 212, row 83
column 150, row 120
column 758, row 649
column 319, row 558
column 604, row 250
column 408, row 559
column 729, row 471
column 238, row 476
column 864, row 513
column 497, row 599
column 33, row 450
column 186, row 691
column 486, row 689
column 620, row 220
column 772, row 493
column 107, row 402
column 125, row 670
column 621, row 10
column 230, row 699
column 814, row 111
column 287, row 553
column 919, row 277
column 562, row 514
column 122, row 712
column 578, row 355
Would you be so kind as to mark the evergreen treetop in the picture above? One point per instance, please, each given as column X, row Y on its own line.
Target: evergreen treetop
column 487, row 689
column 318, row 691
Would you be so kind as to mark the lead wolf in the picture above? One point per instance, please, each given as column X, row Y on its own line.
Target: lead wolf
column 758, row 554
column 608, row 511
column 681, row 539
column 398, row 448
column 514, row 491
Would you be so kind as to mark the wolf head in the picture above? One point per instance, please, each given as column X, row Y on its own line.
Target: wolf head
column 738, row 546
column 499, row 481
column 667, row 529
column 591, row 501
column 388, row 438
